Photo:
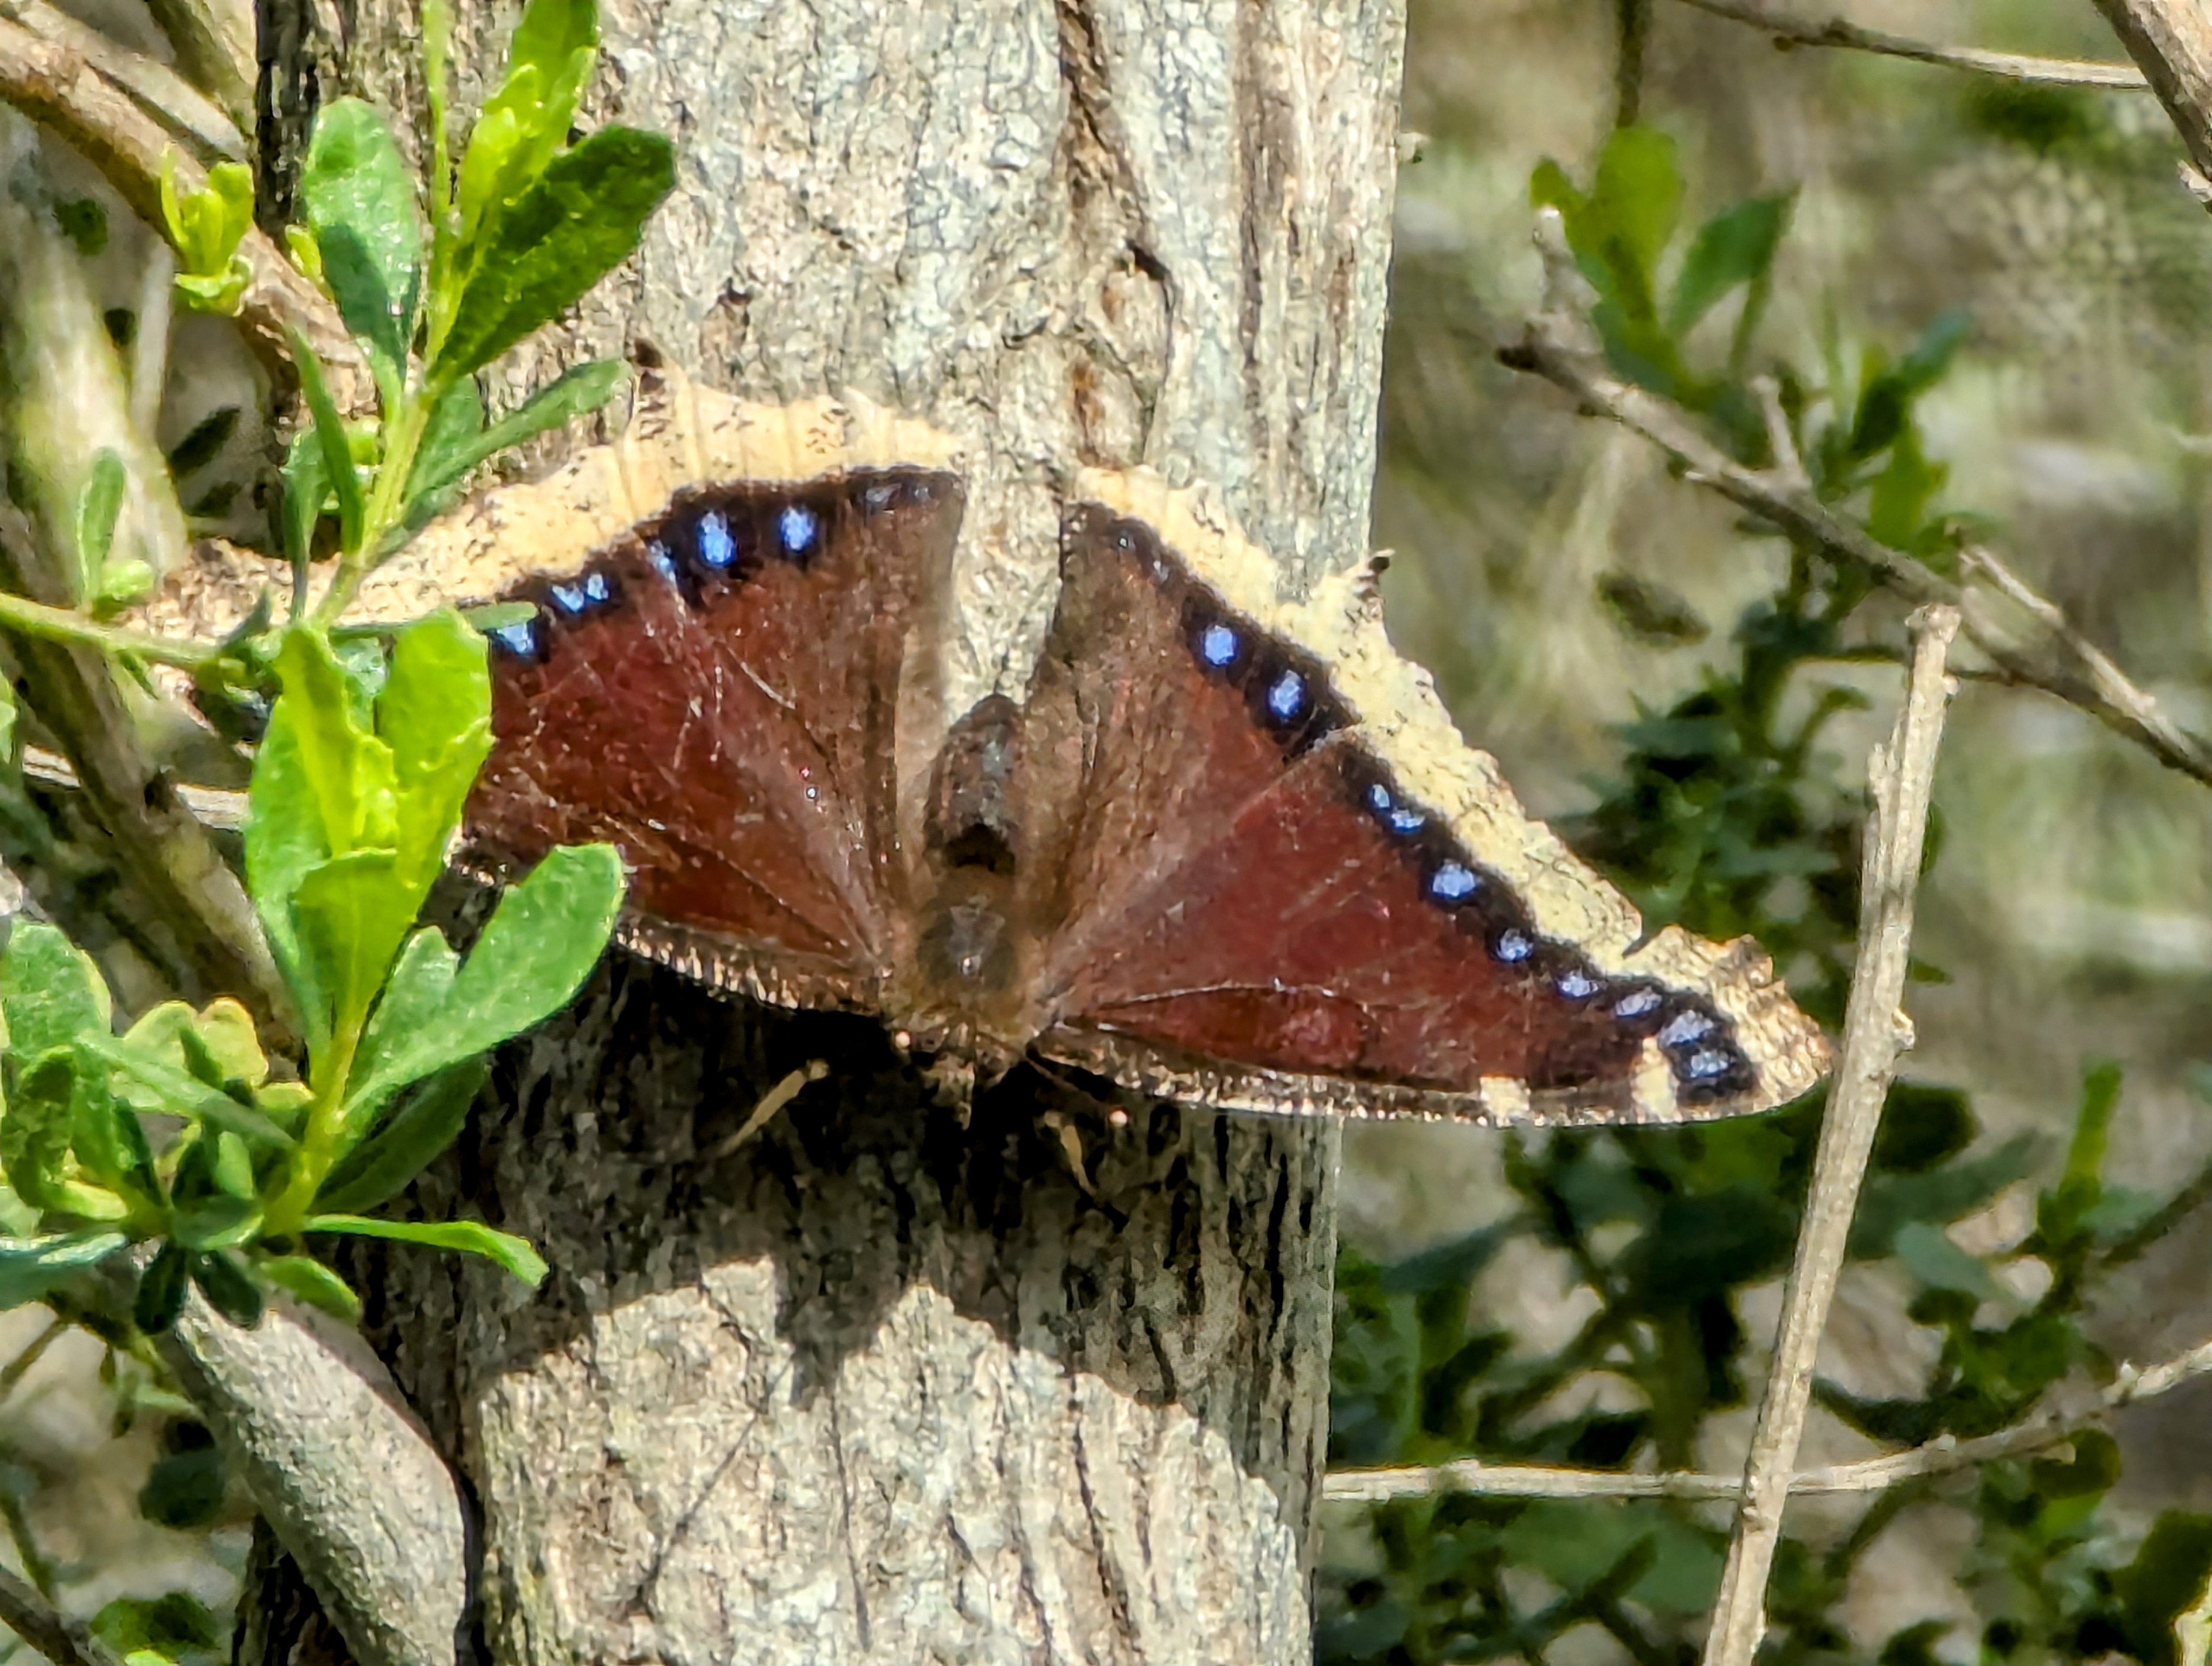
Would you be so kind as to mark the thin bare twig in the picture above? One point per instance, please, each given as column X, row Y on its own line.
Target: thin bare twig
column 2025, row 636
column 1938, row 1458
column 36, row 1350
column 1789, row 31
column 38, row 1623
column 1902, row 779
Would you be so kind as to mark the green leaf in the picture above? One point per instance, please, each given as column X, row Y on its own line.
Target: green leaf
column 2093, row 1124
column 440, row 470
column 1550, row 187
column 30, row 1267
column 231, row 1289
column 205, row 1214
column 346, row 771
column 1736, row 246
column 176, row 1625
column 469, row 1237
column 185, row 1490
column 2166, row 1577
column 107, row 1138
column 1930, row 1256
column 161, row 1289
column 332, row 440
column 525, row 120
column 1636, row 199
column 1949, row 1192
column 577, row 223
column 354, row 911
column 34, row 1136
column 122, row 584
column 306, row 490
column 358, row 199
column 415, row 1000
column 540, row 944
column 1903, row 490
column 313, row 1284
column 50, row 993
column 455, row 424
column 97, row 507
column 435, row 714
column 206, row 227
column 321, row 785
column 1888, row 395
column 181, row 1095
column 428, row 1120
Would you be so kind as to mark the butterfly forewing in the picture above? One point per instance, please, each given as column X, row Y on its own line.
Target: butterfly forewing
column 718, row 694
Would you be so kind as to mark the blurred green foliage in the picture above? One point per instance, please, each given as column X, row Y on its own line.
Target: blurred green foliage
column 1727, row 814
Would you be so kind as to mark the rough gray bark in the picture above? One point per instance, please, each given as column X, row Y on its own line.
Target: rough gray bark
column 876, row 1387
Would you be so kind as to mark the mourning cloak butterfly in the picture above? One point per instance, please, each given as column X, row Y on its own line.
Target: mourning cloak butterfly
column 1227, row 849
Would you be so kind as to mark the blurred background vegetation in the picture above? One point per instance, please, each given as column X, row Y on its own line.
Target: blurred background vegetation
column 1693, row 701
column 1985, row 309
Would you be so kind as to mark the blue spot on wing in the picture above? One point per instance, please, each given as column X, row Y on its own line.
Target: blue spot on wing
column 1217, row 645
column 1286, row 697
column 1708, row 1062
column 657, row 553
column 1453, row 882
column 798, row 527
column 1636, row 1004
column 520, row 640
column 717, row 547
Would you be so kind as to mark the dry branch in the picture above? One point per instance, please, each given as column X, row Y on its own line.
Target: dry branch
column 2025, row 636
column 1789, row 31
column 1902, row 779
column 2171, row 41
column 341, row 1471
column 1938, row 1458
column 31, row 1617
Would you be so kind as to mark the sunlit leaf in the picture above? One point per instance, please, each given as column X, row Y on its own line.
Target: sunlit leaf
column 469, row 1237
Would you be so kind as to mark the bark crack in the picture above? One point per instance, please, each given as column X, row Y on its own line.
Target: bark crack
column 1110, row 1581
column 845, row 1519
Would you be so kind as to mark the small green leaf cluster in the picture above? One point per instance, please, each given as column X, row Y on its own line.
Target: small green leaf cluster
column 205, row 226
column 109, row 586
column 518, row 232
column 178, row 1134
column 1727, row 816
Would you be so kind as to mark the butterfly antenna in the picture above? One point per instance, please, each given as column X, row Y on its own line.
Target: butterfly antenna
column 771, row 1102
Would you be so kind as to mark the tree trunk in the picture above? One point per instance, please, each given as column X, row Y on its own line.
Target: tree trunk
column 876, row 1387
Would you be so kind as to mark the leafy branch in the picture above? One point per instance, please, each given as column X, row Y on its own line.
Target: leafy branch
column 2024, row 635
column 178, row 1153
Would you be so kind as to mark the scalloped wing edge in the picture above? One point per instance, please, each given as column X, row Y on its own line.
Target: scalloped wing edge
column 1401, row 720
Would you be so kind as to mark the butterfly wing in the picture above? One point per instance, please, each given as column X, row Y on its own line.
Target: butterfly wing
column 1270, row 876
column 720, row 685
